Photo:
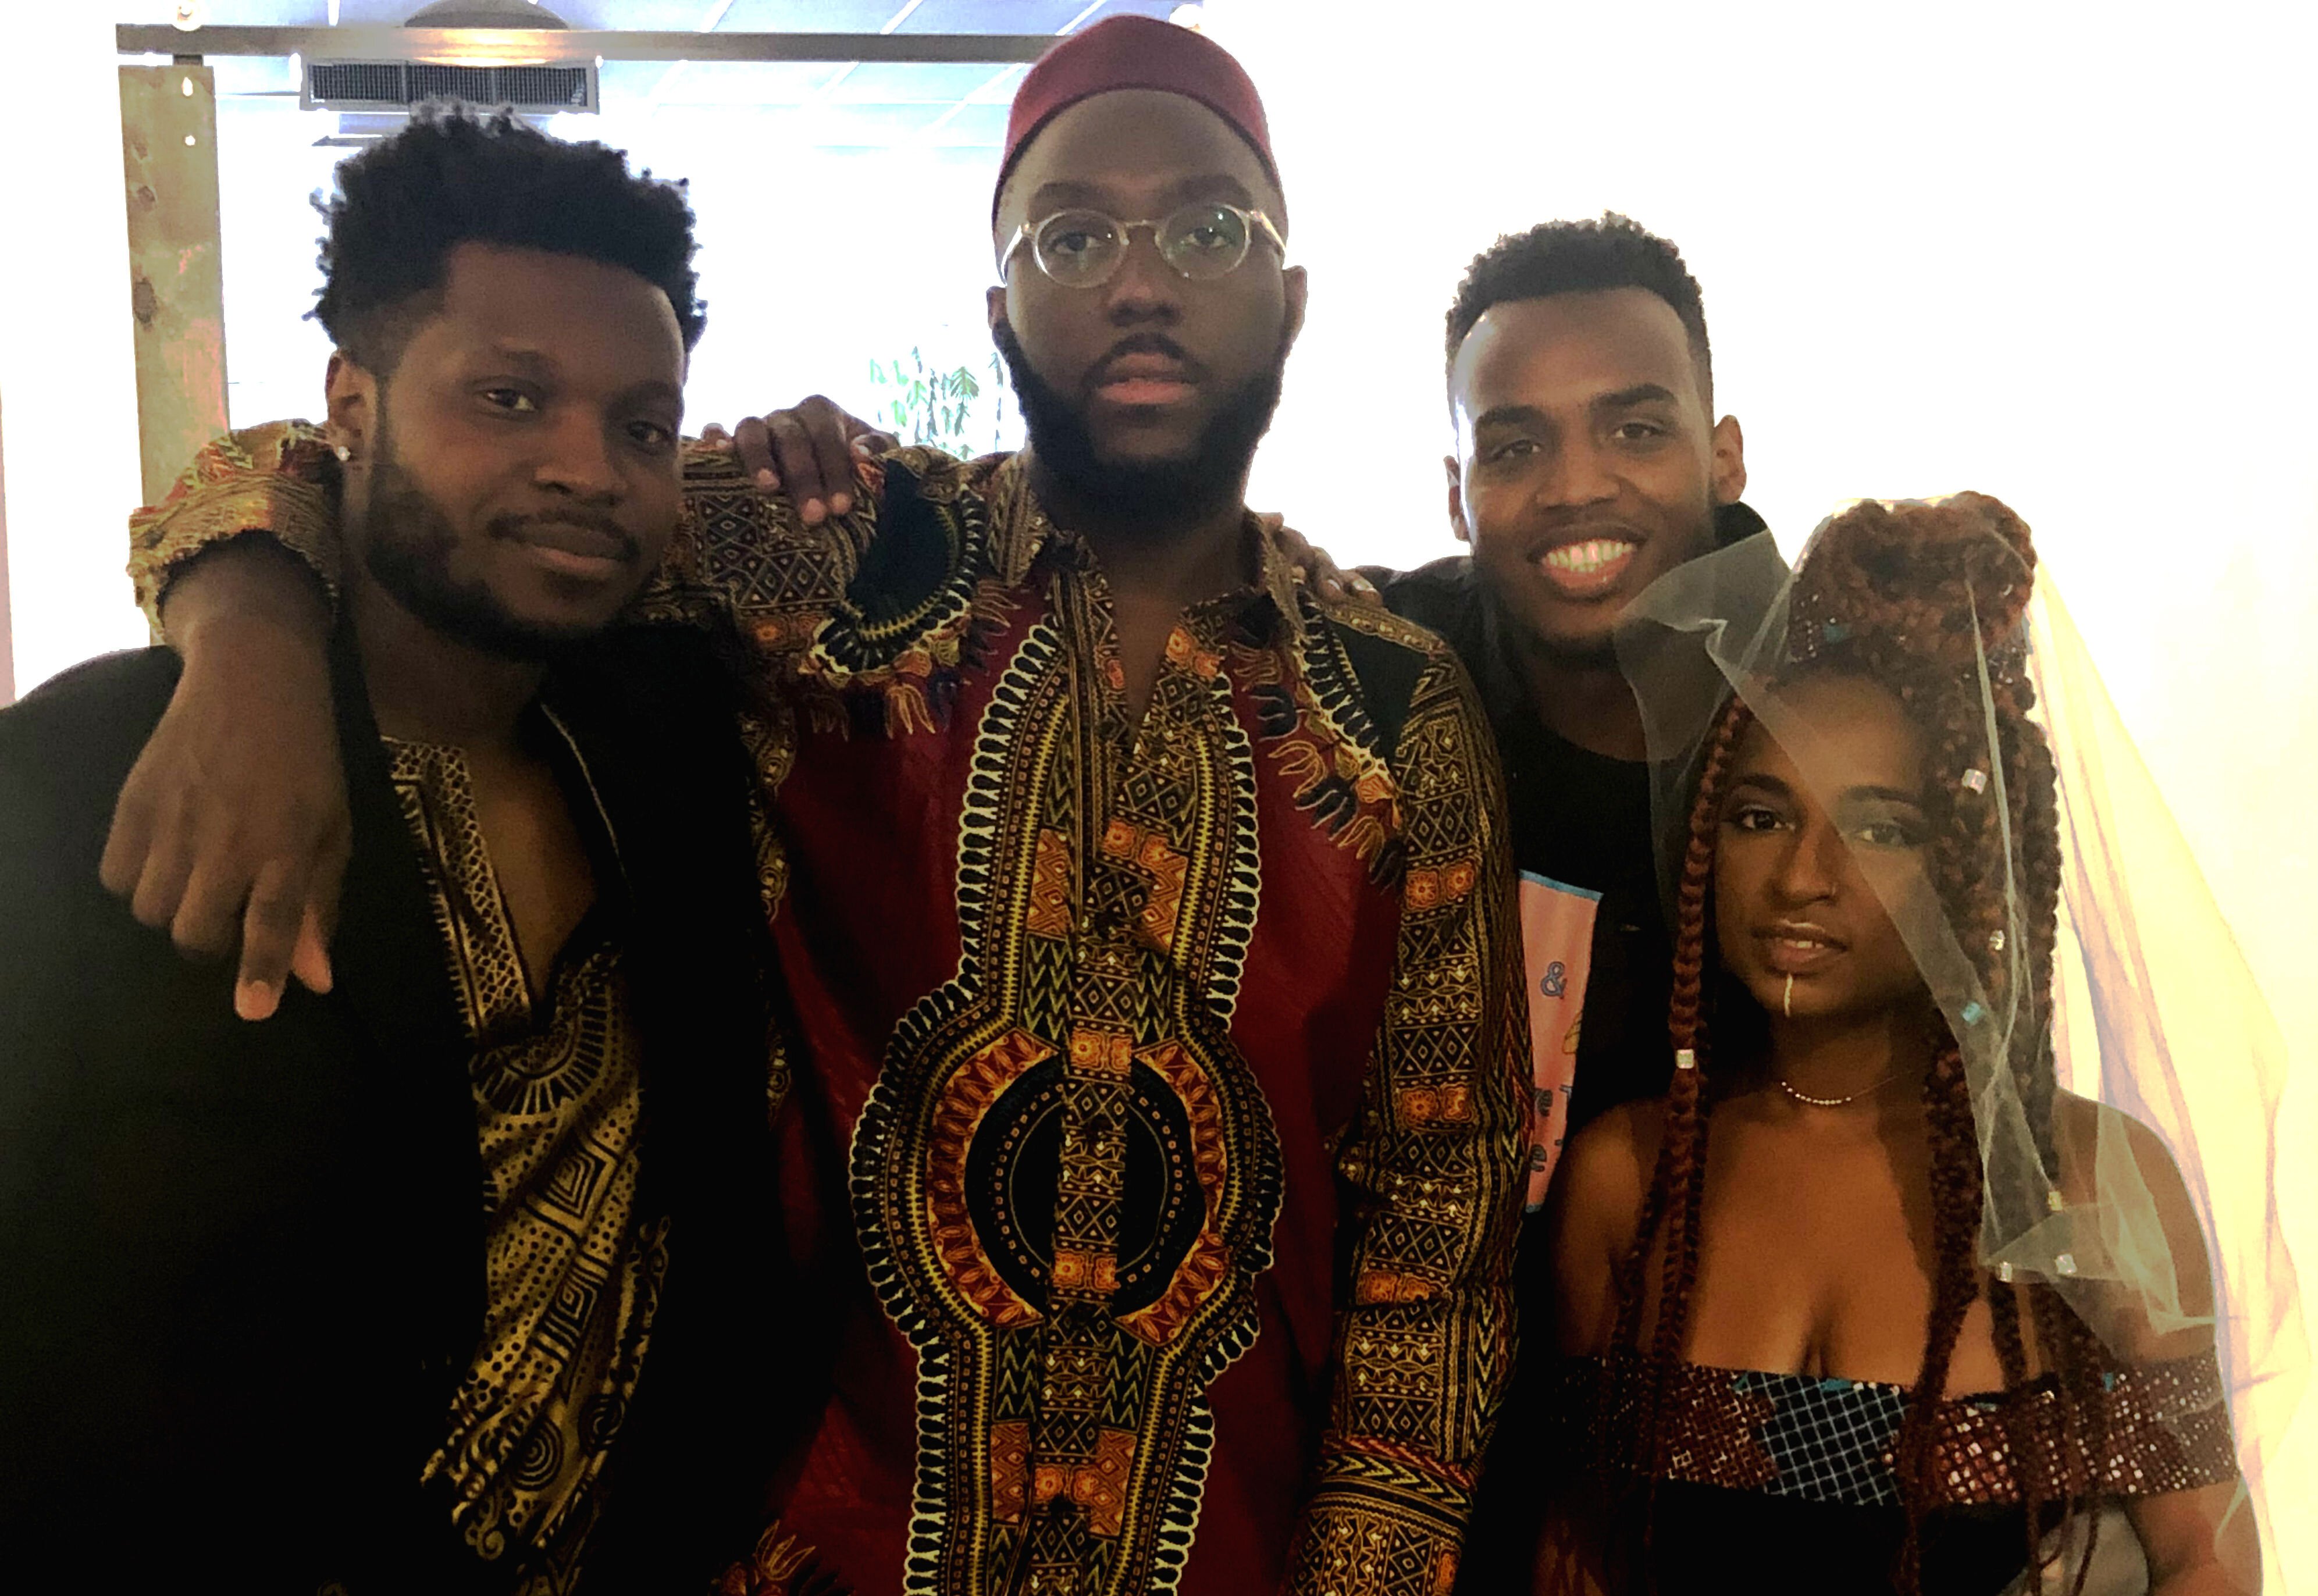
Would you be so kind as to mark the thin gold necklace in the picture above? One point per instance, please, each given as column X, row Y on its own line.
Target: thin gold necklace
column 1809, row 1101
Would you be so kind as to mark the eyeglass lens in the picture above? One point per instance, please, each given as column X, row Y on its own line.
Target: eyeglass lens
column 1080, row 249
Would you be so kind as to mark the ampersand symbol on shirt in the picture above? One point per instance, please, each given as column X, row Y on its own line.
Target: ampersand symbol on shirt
column 1556, row 980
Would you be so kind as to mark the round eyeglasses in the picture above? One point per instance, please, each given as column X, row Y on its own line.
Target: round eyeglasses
column 1201, row 241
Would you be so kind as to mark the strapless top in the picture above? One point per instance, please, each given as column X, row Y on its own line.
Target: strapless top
column 2160, row 1426
column 1788, row 1481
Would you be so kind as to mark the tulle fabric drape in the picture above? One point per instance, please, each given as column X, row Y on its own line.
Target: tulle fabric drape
column 2154, row 1014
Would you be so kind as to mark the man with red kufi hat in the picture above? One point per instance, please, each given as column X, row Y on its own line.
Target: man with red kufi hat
column 1147, row 921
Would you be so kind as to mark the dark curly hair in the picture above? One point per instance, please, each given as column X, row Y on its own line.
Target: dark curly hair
column 1557, row 257
column 1890, row 593
column 456, row 176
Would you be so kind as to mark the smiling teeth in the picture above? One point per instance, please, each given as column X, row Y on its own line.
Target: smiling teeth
column 1588, row 557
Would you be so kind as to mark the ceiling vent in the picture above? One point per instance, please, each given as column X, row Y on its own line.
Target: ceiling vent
column 372, row 87
column 397, row 85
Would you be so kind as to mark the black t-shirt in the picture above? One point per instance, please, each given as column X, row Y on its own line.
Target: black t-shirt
column 1579, row 819
column 1583, row 819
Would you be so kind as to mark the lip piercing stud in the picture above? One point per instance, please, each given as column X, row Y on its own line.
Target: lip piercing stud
column 1787, row 1003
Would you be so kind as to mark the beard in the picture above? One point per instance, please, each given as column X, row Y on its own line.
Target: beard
column 1145, row 493
column 407, row 542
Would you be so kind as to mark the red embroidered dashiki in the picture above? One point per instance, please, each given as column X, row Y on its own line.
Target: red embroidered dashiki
column 1177, row 1067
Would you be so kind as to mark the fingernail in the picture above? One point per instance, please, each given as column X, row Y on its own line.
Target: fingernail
column 838, row 503
column 255, row 999
column 813, row 511
column 768, row 482
column 861, row 448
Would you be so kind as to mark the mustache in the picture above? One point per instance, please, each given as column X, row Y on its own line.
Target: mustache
column 515, row 524
column 1148, row 343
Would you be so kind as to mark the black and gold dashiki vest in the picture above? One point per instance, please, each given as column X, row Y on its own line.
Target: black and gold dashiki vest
column 573, row 1271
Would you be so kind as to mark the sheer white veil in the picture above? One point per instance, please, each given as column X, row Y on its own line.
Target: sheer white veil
column 2154, row 1017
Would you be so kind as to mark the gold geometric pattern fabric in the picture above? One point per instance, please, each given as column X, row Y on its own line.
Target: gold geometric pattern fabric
column 274, row 478
column 572, row 1272
column 1069, row 1322
column 1066, row 1177
column 1067, row 1339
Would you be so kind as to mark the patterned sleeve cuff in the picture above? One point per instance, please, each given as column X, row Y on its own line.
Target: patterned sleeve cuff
column 280, row 478
column 1369, row 1538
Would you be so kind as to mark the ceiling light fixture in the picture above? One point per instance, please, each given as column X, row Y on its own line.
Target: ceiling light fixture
column 498, row 32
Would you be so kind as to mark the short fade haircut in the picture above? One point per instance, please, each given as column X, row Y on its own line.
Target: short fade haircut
column 456, row 176
column 1557, row 257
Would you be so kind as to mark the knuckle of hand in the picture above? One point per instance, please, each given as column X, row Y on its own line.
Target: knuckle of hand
column 200, row 937
column 281, row 914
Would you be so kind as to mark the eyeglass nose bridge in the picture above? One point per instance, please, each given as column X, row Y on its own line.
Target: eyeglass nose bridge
column 1127, row 231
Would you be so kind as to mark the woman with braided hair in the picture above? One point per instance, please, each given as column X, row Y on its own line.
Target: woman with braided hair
column 1851, row 1308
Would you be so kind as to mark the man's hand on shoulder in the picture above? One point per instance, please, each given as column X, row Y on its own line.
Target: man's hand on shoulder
column 234, row 818
column 1331, row 582
column 809, row 450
